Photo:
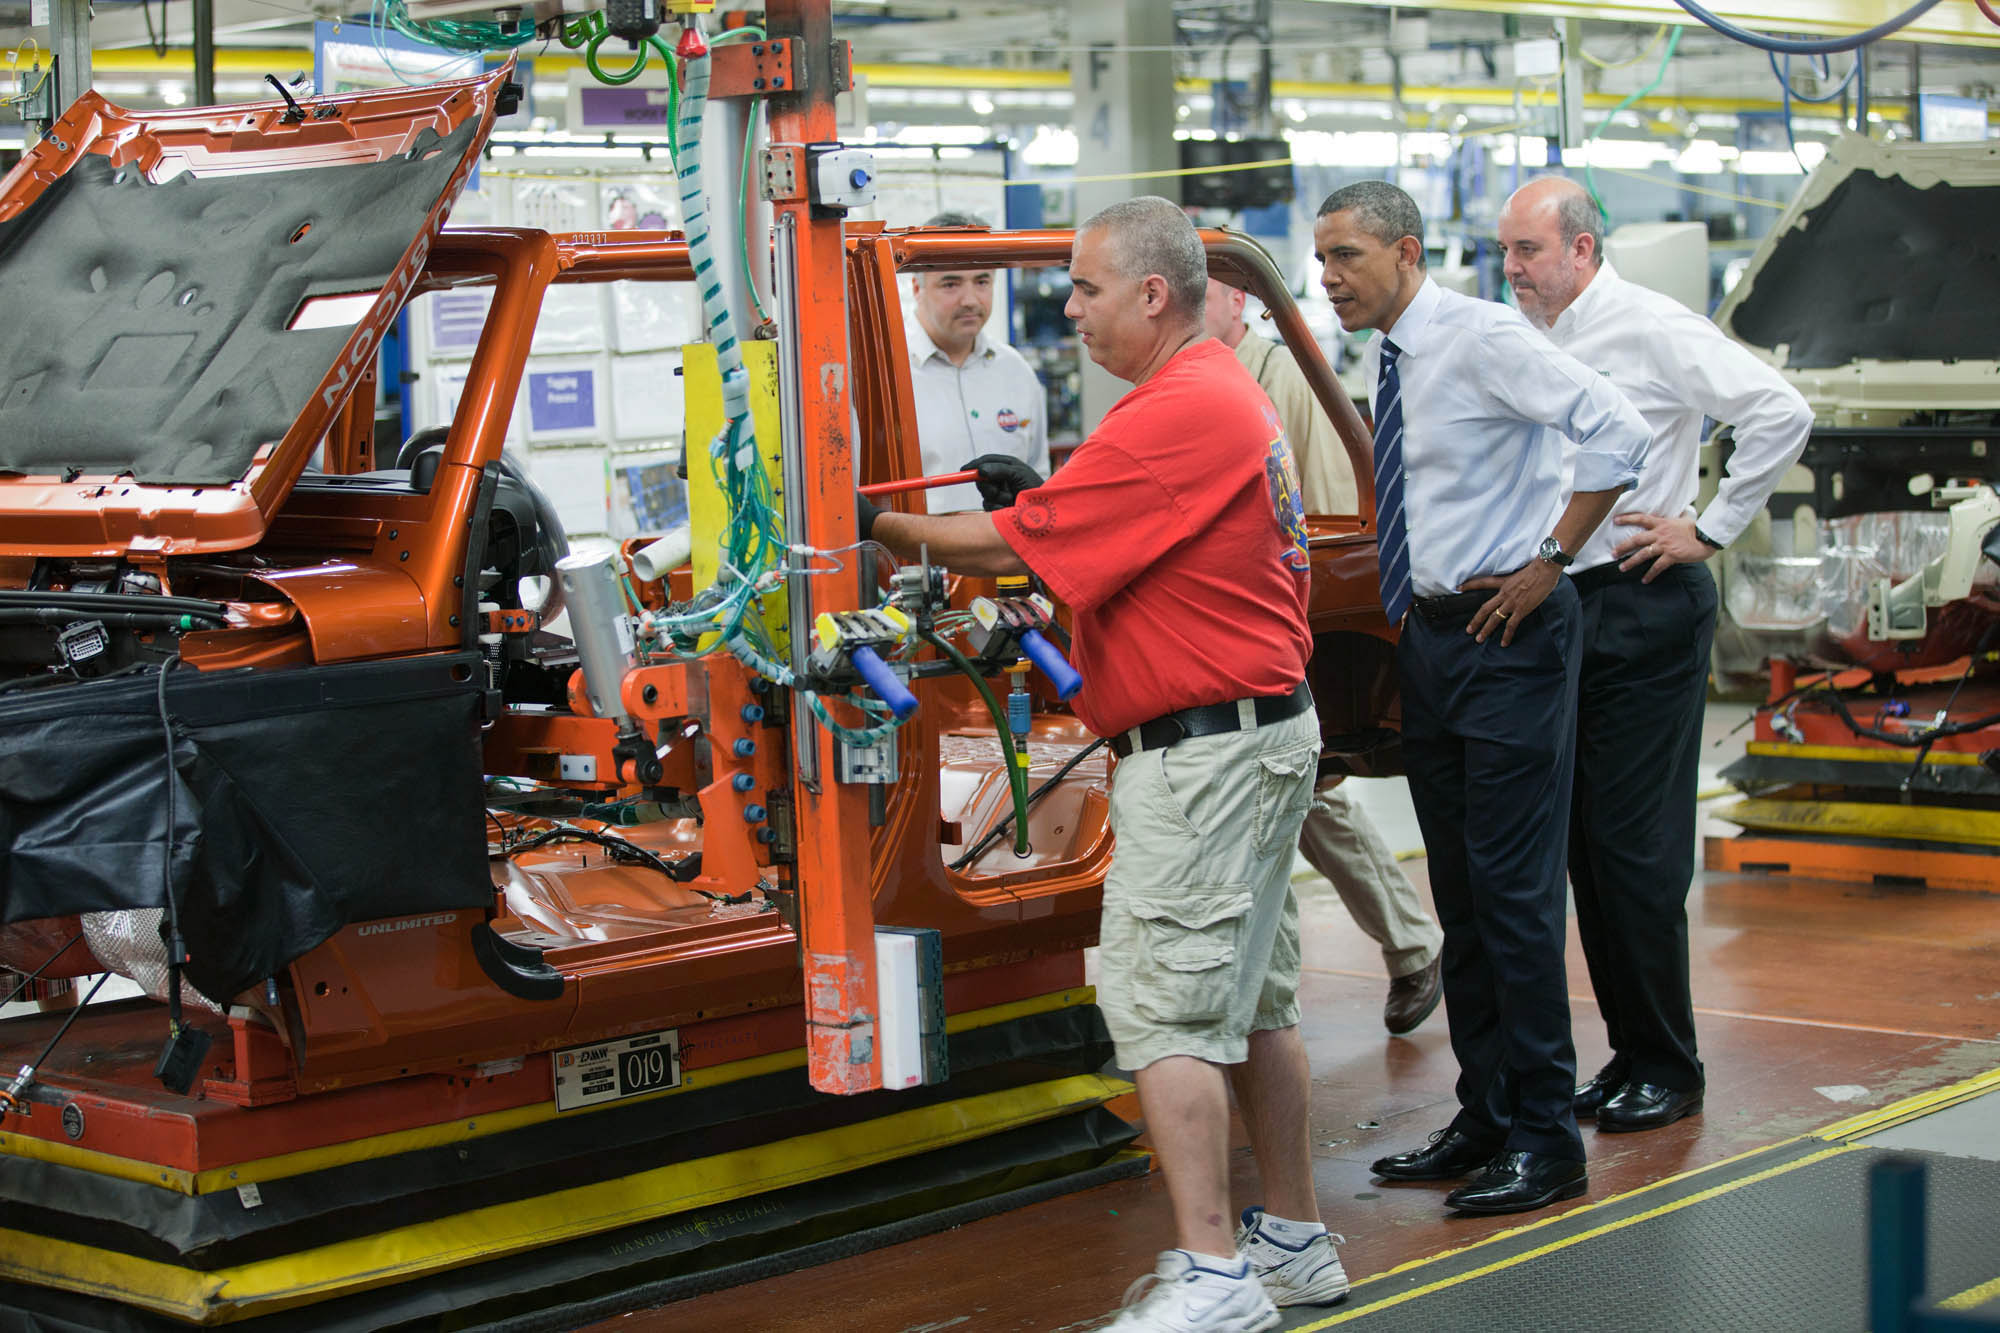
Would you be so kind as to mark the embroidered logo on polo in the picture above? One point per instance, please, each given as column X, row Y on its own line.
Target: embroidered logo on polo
column 1010, row 421
column 1035, row 514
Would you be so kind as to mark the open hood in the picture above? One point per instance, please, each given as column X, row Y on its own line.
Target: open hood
column 1877, row 288
column 174, row 356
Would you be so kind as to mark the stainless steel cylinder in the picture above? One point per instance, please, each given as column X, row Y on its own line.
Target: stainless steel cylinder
column 598, row 624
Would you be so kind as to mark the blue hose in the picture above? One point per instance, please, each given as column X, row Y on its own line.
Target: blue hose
column 1799, row 46
column 1053, row 664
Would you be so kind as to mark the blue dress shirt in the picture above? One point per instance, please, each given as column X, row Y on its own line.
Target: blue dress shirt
column 1486, row 402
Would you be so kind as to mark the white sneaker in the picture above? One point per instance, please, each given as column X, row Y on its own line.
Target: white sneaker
column 1188, row 1297
column 1292, row 1275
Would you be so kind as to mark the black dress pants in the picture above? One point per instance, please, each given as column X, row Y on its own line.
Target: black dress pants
column 1632, row 821
column 1488, row 737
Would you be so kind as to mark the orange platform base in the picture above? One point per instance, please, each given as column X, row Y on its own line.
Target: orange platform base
column 1853, row 863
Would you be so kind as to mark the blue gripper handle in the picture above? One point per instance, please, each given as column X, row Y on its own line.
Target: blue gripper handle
column 1053, row 664
column 888, row 687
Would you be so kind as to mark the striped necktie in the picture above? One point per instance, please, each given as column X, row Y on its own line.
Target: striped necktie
column 1392, row 532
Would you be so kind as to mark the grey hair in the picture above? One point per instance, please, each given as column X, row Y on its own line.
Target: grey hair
column 1155, row 236
column 1383, row 210
column 1577, row 215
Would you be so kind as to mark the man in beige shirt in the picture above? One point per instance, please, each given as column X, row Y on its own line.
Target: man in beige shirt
column 1337, row 838
column 1324, row 472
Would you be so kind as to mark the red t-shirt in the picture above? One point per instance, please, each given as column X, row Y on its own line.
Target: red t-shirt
column 1176, row 535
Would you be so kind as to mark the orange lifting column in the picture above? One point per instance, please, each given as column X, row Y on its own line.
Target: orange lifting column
column 835, row 873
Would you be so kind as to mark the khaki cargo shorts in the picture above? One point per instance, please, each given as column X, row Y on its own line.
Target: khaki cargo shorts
column 1199, row 945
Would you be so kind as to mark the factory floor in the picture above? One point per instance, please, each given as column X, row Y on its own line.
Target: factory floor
column 1816, row 1000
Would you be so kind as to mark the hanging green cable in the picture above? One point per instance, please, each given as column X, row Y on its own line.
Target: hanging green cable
column 743, row 209
column 1017, row 777
column 598, row 72
column 1589, row 177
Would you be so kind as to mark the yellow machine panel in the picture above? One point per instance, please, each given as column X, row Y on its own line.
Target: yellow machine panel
column 708, row 506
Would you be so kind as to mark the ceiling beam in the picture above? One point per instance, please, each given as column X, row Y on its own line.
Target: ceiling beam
column 179, row 64
column 1953, row 22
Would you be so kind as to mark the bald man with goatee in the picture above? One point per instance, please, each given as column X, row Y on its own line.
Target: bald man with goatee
column 1648, row 606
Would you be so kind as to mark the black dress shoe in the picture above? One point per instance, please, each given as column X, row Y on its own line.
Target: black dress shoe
column 1592, row 1095
column 1515, row 1182
column 1639, row 1106
column 1447, row 1156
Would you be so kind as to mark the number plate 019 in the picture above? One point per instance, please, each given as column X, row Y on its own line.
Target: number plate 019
column 609, row 1070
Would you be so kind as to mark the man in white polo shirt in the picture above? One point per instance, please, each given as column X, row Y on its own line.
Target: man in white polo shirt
column 975, row 395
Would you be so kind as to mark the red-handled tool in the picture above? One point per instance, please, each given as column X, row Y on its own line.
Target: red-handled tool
column 917, row 484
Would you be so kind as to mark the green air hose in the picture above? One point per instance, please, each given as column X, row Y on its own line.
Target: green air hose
column 1589, row 176
column 1017, row 777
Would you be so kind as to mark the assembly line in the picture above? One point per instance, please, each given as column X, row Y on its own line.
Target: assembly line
column 786, row 760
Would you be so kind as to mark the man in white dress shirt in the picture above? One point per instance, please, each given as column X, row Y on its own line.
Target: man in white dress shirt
column 975, row 396
column 1648, row 618
column 1473, row 529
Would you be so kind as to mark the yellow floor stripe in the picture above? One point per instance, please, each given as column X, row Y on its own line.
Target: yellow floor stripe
column 494, row 1232
column 1972, row 1297
column 1859, row 819
column 1856, row 754
column 390, row 1144
column 1633, row 1193
column 1909, row 1108
column 1566, row 1242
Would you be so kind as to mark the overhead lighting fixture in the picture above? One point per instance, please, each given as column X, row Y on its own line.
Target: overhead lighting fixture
column 1051, row 148
column 1703, row 157
column 1361, row 148
column 1618, row 154
column 943, row 134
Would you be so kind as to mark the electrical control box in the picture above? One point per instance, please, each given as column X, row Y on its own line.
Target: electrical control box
column 839, row 178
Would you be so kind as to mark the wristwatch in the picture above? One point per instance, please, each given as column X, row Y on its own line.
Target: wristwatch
column 1707, row 540
column 1552, row 551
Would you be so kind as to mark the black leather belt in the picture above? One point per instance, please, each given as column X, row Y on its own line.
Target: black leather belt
column 1452, row 608
column 1210, row 720
column 1597, row 576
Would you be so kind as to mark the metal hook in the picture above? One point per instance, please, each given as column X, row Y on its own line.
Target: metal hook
column 294, row 112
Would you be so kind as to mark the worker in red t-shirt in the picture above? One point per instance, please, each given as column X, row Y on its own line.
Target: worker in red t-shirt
column 1177, row 536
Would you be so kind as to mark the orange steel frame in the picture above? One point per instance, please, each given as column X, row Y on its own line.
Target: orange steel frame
column 382, row 1011
column 836, row 916
column 356, row 574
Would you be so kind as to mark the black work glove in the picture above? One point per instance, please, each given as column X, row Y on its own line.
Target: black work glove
column 1001, row 478
column 866, row 511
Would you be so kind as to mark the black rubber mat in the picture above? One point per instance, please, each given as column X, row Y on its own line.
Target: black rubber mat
column 1775, row 1241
